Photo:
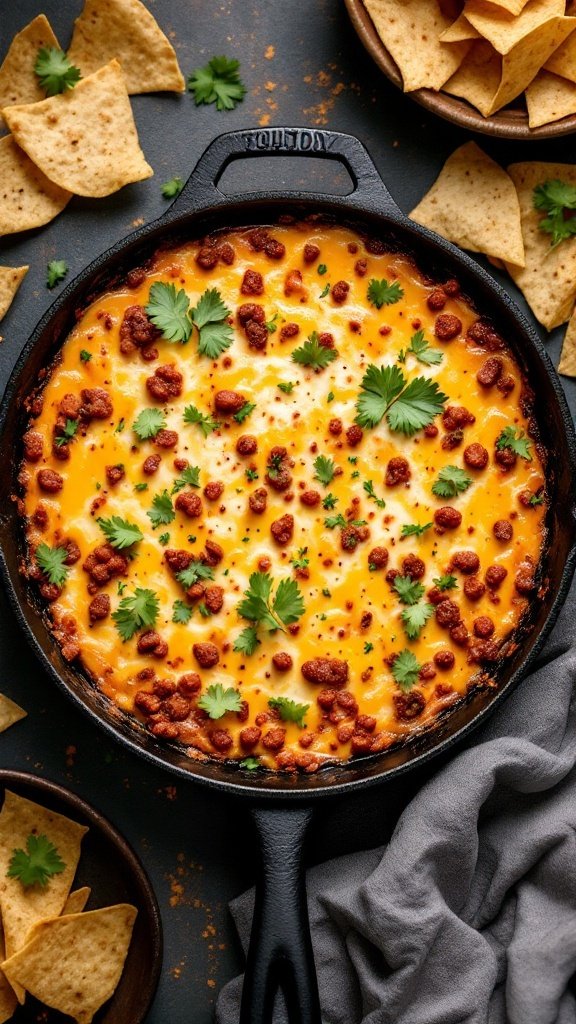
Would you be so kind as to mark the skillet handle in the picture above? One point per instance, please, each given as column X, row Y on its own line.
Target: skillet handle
column 280, row 953
column 201, row 190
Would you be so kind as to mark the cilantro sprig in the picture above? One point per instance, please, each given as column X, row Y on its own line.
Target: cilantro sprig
column 217, row 82
column 368, row 486
column 415, row 617
column 407, row 405
column 203, row 420
column 148, row 423
column 119, row 532
column 451, row 481
column 272, row 612
column 162, row 511
column 409, row 591
column 69, row 431
column 137, row 611
column 414, row 529
column 52, row 562
column 382, row 293
column 210, row 317
column 420, row 348
column 190, row 477
column 182, row 612
column 555, row 199
column 217, row 701
column 55, row 72
column 324, row 469
column 37, row 863
column 172, row 188
column 193, row 573
column 516, row 440
column 313, row 354
column 405, row 669
column 289, row 710
column 55, row 272
column 445, row 582
column 168, row 309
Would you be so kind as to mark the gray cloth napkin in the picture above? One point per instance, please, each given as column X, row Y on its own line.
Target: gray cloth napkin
column 468, row 916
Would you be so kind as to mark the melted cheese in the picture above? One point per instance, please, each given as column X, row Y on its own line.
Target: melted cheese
column 340, row 588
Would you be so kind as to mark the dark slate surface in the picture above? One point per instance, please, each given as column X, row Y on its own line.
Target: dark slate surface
column 302, row 64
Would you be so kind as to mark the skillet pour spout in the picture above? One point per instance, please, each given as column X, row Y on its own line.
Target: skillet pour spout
column 280, row 954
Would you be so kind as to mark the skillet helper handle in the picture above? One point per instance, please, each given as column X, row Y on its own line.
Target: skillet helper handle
column 280, row 953
column 201, row 190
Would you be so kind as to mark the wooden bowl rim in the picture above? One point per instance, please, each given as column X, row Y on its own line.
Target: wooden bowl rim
column 506, row 124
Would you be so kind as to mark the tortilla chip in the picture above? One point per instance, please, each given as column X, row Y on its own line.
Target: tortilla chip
column 478, row 78
column 125, row 30
column 8, row 1000
column 505, row 31
column 18, row 83
column 28, row 199
column 567, row 364
column 521, row 64
column 563, row 60
column 10, row 713
column 10, row 280
column 77, row 900
column 21, row 907
column 473, row 203
column 410, row 31
column 73, row 964
column 85, row 139
column 513, row 6
column 548, row 280
column 460, row 30
column 549, row 98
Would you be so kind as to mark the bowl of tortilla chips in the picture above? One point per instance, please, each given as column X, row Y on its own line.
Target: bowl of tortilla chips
column 505, row 68
column 80, row 926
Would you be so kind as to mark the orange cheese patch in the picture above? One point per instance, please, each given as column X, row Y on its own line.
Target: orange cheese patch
column 351, row 610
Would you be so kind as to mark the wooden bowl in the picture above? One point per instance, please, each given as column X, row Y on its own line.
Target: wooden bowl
column 115, row 875
column 509, row 123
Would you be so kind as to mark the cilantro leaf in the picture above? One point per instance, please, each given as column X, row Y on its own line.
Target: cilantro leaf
column 313, row 354
column 247, row 641
column 168, row 310
column 172, row 188
column 414, row 529
column 421, row 349
column 36, row 864
column 369, row 488
column 368, row 647
column 205, row 422
column 381, row 293
column 136, row 612
column 445, row 582
column 416, row 407
column 189, row 477
column 245, row 411
column 324, row 469
column 405, row 669
column 536, row 499
column 409, row 591
column 553, row 197
column 56, row 272
column 68, row 433
column 148, row 423
column 250, row 763
column 217, row 82
column 381, row 385
column 329, row 501
column 515, row 439
column 451, row 481
column 217, row 701
column 85, row 356
column 301, row 562
column 289, row 710
column 55, row 72
column 274, row 613
column 52, row 562
column 332, row 521
column 415, row 618
column 182, row 612
column 286, row 386
column 119, row 532
column 194, row 572
column 210, row 317
column 162, row 511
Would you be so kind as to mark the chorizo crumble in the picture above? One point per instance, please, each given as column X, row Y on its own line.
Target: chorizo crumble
column 277, row 521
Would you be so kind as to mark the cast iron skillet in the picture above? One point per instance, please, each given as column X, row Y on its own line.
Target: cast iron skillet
column 280, row 953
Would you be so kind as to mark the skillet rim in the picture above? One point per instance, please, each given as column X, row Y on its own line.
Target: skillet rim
column 362, row 204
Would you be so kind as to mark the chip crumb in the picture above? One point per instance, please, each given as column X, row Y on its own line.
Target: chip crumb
column 270, row 52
